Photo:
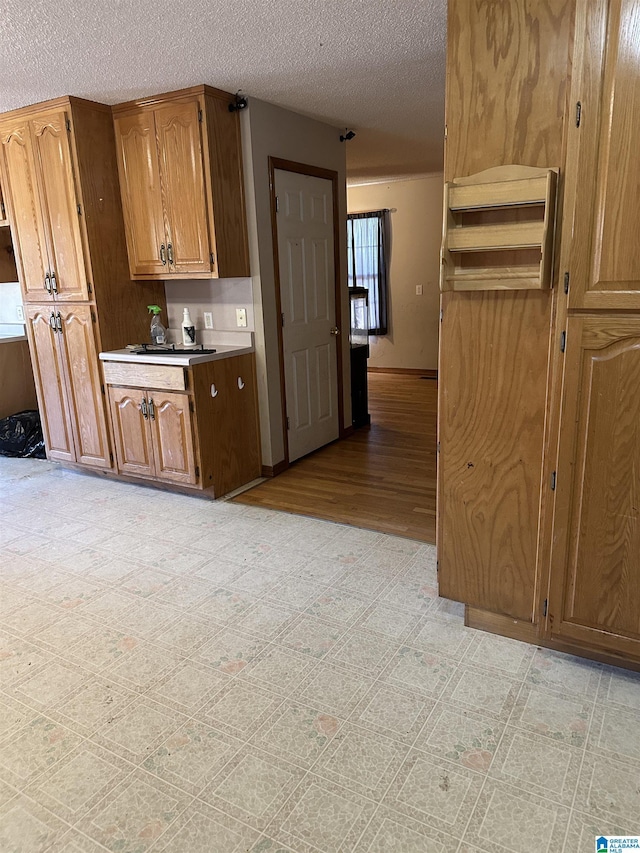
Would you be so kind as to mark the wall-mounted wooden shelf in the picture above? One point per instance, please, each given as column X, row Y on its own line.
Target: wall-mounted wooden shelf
column 498, row 230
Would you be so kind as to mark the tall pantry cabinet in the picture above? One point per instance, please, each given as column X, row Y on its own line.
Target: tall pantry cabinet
column 539, row 422
column 59, row 175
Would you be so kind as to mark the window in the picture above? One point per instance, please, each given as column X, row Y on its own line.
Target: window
column 367, row 262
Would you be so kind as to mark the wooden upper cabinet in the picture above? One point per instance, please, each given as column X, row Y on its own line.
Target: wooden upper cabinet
column 59, row 201
column 40, row 182
column 141, row 194
column 29, row 239
column 595, row 588
column 603, row 171
column 180, row 165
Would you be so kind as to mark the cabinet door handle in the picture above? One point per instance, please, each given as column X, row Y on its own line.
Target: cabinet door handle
column 163, row 254
column 170, row 252
column 54, row 283
column 52, row 322
column 152, row 410
column 47, row 283
column 143, row 408
column 240, row 383
column 59, row 322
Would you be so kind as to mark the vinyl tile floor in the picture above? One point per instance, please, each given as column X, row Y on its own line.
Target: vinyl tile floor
column 193, row 677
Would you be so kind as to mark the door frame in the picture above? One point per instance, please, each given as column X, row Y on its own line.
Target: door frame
column 330, row 175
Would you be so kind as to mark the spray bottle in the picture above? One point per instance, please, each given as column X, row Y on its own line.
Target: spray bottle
column 158, row 331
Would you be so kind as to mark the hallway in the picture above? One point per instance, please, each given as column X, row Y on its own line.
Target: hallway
column 382, row 478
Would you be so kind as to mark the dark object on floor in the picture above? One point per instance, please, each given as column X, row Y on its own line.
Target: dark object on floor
column 21, row 435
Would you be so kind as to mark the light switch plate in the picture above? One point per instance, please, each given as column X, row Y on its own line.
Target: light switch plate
column 241, row 317
column 208, row 320
column 418, row 290
column 20, row 313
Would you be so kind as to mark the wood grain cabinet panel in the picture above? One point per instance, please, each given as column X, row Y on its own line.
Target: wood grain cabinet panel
column 187, row 144
column 182, row 175
column 595, row 588
column 29, row 239
column 60, row 205
column 603, row 169
column 131, row 431
column 68, row 384
column 51, row 389
column 141, row 193
column 76, row 340
column 170, row 420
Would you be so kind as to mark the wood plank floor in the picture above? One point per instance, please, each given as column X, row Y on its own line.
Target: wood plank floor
column 382, row 477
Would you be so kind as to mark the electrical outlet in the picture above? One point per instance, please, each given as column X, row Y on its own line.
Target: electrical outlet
column 208, row 320
column 418, row 290
column 241, row 317
column 20, row 313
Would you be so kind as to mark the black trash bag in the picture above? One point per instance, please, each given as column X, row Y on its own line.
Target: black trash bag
column 21, row 435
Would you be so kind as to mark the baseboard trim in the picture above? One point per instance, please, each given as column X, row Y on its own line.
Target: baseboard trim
column 407, row 371
column 274, row 470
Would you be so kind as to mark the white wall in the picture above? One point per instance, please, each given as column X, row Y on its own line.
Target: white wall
column 270, row 131
column 416, row 233
column 10, row 299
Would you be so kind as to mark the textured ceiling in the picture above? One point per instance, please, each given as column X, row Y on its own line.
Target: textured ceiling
column 376, row 66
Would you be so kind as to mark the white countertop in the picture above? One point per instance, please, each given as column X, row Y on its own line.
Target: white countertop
column 185, row 359
column 10, row 339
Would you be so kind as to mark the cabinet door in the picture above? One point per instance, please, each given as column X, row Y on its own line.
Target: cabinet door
column 180, row 145
column 141, row 198
column 77, row 341
column 603, row 168
column 21, row 189
column 131, row 431
column 170, row 419
column 595, row 592
column 50, row 384
column 60, row 205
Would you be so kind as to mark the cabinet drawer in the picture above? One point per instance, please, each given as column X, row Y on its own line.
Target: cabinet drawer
column 163, row 376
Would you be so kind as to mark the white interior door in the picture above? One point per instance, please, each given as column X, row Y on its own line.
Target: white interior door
column 307, row 289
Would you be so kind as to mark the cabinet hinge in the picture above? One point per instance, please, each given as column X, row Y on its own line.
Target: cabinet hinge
column 578, row 113
column 553, row 481
column 197, row 471
column 288, row 424
column 102, row 389
column 89, row 287
column 79, row 208
column 3, row 212
column 441, row 315
column 199, row 115
column 282, row 319
column 191, row 407
column 566, row 282
column 563, row 342
column 544, row 607
column 437, row 566
column 93, row 317
column 111, row 457
column 68, row 124
column 277, row 204
column 212, row 258
column 438, row 447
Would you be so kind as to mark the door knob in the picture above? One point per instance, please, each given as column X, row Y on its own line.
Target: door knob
column 335, row 331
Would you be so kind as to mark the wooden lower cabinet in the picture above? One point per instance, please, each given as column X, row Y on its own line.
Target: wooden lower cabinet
column 68, row 385
column 206, row 436
column 153, row 434
column 595, row 574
